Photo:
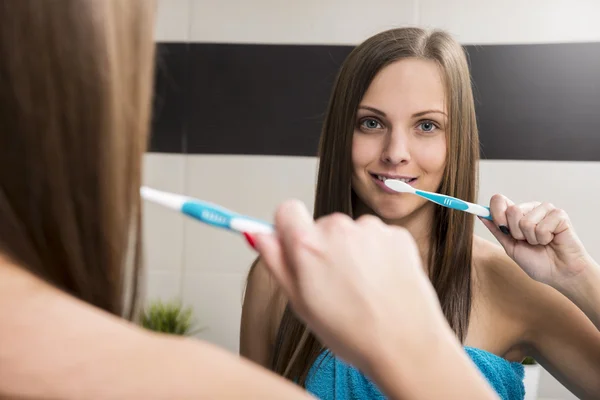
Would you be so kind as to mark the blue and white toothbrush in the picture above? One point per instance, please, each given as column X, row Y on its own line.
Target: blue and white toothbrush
column 441, row 199
column 208, row 213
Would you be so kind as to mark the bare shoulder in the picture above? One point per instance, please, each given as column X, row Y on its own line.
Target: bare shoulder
column 502, row 280
column 262, row 310
column 495, row 270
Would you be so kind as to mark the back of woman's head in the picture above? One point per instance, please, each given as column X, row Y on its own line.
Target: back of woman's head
column 75, row 88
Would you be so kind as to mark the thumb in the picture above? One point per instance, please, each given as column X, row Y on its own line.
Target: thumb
column 292, row 220
column 505, row 240
column 296, row 229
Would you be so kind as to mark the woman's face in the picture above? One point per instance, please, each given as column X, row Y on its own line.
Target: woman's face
column 400, row 133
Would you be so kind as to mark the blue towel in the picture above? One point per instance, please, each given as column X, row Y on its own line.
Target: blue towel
column 331, row 379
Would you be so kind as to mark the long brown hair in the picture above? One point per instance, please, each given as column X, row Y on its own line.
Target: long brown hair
column 452, row 234
column 75, row 91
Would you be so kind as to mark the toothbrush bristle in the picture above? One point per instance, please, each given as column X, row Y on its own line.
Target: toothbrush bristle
column 398, row 186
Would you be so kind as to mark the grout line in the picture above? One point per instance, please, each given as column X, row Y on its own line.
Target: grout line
column 213, row 272
column 183, row 230
column 190, row 17
column 182, row 267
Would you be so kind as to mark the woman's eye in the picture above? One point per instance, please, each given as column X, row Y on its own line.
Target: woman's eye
column 427, row 126
column 371, row 123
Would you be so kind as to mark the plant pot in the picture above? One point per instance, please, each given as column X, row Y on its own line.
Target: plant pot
column 532, row 381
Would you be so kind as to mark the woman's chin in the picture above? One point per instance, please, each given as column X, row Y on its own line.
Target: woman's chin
column 392, row 215
column 391, row 210
column 396, row 213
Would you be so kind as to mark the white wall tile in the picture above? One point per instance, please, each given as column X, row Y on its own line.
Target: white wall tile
column 217, row 302
column 163, row 228
column 306, row 22
column 163, row 285
column 172, row 21
column 551, row 389
column 513, row 21
column 251, row 185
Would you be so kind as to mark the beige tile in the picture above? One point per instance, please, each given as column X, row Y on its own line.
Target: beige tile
column 551, row 389
column 164, row 171
column 163, row 228
column 165, row 286
column 513, row 21
column 217, row 302
column 251, row 185
column 306, row 22
column 172, row 21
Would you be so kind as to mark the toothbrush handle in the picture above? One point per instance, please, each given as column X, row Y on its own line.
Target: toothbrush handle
column 482, row 211
column 208, row 213
column 457, row 204
column 223, row 218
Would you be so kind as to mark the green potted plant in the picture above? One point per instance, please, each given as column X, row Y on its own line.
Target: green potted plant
column 532, row 378
column 168, row 317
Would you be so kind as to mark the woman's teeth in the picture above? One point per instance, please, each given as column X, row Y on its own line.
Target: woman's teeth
column 383, row 179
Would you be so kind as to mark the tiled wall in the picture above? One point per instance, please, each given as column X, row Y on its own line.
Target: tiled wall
column 207, row 267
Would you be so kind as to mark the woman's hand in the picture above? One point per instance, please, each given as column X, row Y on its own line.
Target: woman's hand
column 540, row 239
column 361, row 289
column 357, row 284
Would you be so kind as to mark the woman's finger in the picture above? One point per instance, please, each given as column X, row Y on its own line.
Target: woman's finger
column 498, row 206
column 555, row 222
column 515, row 214
column 528, row 224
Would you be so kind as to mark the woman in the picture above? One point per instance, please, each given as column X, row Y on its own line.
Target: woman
column 402, row 107
column 75, row 89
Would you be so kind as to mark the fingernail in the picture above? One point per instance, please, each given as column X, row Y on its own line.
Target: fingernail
column 504, row 229
column 250, row 240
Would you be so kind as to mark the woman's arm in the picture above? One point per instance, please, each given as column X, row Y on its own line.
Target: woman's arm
column 563, row 340
column 584, row 291
column 541, row 241
column 54, row 346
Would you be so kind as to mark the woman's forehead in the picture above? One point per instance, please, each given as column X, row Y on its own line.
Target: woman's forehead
column 406, row 87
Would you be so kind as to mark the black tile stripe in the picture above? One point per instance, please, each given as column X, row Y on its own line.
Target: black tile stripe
column 171, row 98
column 534, row 102
column 538, row 102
